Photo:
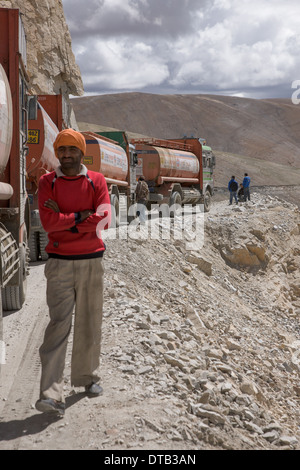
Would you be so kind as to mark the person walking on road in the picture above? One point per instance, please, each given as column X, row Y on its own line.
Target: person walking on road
column 74, row 207
column 142, row 196
column 233, row 187
column 246, row 186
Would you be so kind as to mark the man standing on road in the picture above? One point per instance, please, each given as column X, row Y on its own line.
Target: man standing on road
column 246, row 186
column 233, row 187
column 74, row 206
column 142, row 196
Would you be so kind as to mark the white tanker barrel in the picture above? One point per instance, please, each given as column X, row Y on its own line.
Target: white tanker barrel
column 6, row 191
column 6, row 129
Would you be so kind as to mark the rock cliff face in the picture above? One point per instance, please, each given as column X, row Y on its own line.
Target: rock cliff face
column 50, row 61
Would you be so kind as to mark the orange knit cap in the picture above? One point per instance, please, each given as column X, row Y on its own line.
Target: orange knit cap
column 69, row 137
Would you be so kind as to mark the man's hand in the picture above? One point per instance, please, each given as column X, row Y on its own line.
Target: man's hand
column 85, row 214
column 52, row 205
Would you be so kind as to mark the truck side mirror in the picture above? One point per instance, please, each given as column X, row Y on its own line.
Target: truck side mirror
column 32, row 108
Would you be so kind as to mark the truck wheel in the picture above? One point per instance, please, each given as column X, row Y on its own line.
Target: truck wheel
column 13, row 297
column 43, row 242
column 33, row 246
column 2, row 352
column 207, row 201
column 175, row 204
column 115, row 213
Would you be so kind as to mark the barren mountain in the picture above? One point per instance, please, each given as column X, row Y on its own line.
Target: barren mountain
column 258, row 136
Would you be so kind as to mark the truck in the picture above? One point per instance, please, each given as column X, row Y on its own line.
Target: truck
column 114, row 156
column 208, row 163
column 14, row 203
column 177, row 171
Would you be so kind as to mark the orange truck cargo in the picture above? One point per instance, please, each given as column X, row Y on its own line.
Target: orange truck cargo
column 177, row 171
column 14, row 204
column 111, row 154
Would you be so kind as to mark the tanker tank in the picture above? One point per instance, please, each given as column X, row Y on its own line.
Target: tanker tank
column 106, row 157
column 160, row 165
column 6, row 129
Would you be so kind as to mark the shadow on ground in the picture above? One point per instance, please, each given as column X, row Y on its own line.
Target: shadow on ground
column 15, row 429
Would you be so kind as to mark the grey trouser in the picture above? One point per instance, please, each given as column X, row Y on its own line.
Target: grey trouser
column 247, row 194
column 72, row 283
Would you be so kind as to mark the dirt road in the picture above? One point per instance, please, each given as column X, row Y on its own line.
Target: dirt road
column 23, row 332
column 107, row 422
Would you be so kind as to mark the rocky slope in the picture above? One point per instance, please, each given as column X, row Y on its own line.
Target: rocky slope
column 50, row 60
column 210, row 335
column 200, row 347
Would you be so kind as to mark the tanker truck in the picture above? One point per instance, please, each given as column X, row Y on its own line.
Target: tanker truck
column 111, row 154
column 14, row 204
column 177, row 171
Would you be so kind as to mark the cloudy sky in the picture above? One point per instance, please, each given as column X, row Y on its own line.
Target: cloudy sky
column 248, row 48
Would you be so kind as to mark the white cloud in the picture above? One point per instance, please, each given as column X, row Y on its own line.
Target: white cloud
column 186, row 45
column 121, row 68
column 241, row 50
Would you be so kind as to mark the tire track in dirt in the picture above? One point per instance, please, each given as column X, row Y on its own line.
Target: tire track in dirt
column 21, row 373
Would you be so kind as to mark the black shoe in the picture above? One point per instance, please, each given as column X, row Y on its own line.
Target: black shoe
column 48, row 405
column 94, row 389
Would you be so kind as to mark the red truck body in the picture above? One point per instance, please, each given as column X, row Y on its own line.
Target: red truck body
column 14, row 208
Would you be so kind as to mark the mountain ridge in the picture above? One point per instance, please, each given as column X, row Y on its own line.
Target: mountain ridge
column 258, row 136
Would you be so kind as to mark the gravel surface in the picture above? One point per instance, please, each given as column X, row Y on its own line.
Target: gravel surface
column 200, row 347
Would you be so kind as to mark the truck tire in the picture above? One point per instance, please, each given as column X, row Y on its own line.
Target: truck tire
column 175, row 204
column 207, row 201
column 34, row 246
column 2, row 347
column 153, row 197
column 43, row 242
column 13, row 297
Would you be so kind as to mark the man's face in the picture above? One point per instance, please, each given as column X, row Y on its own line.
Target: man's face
column 69, row 158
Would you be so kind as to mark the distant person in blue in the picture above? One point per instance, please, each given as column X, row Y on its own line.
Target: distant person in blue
column 246, row 186
column 233, row 187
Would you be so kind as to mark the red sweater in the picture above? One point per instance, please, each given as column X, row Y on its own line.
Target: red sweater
column 67, row 238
